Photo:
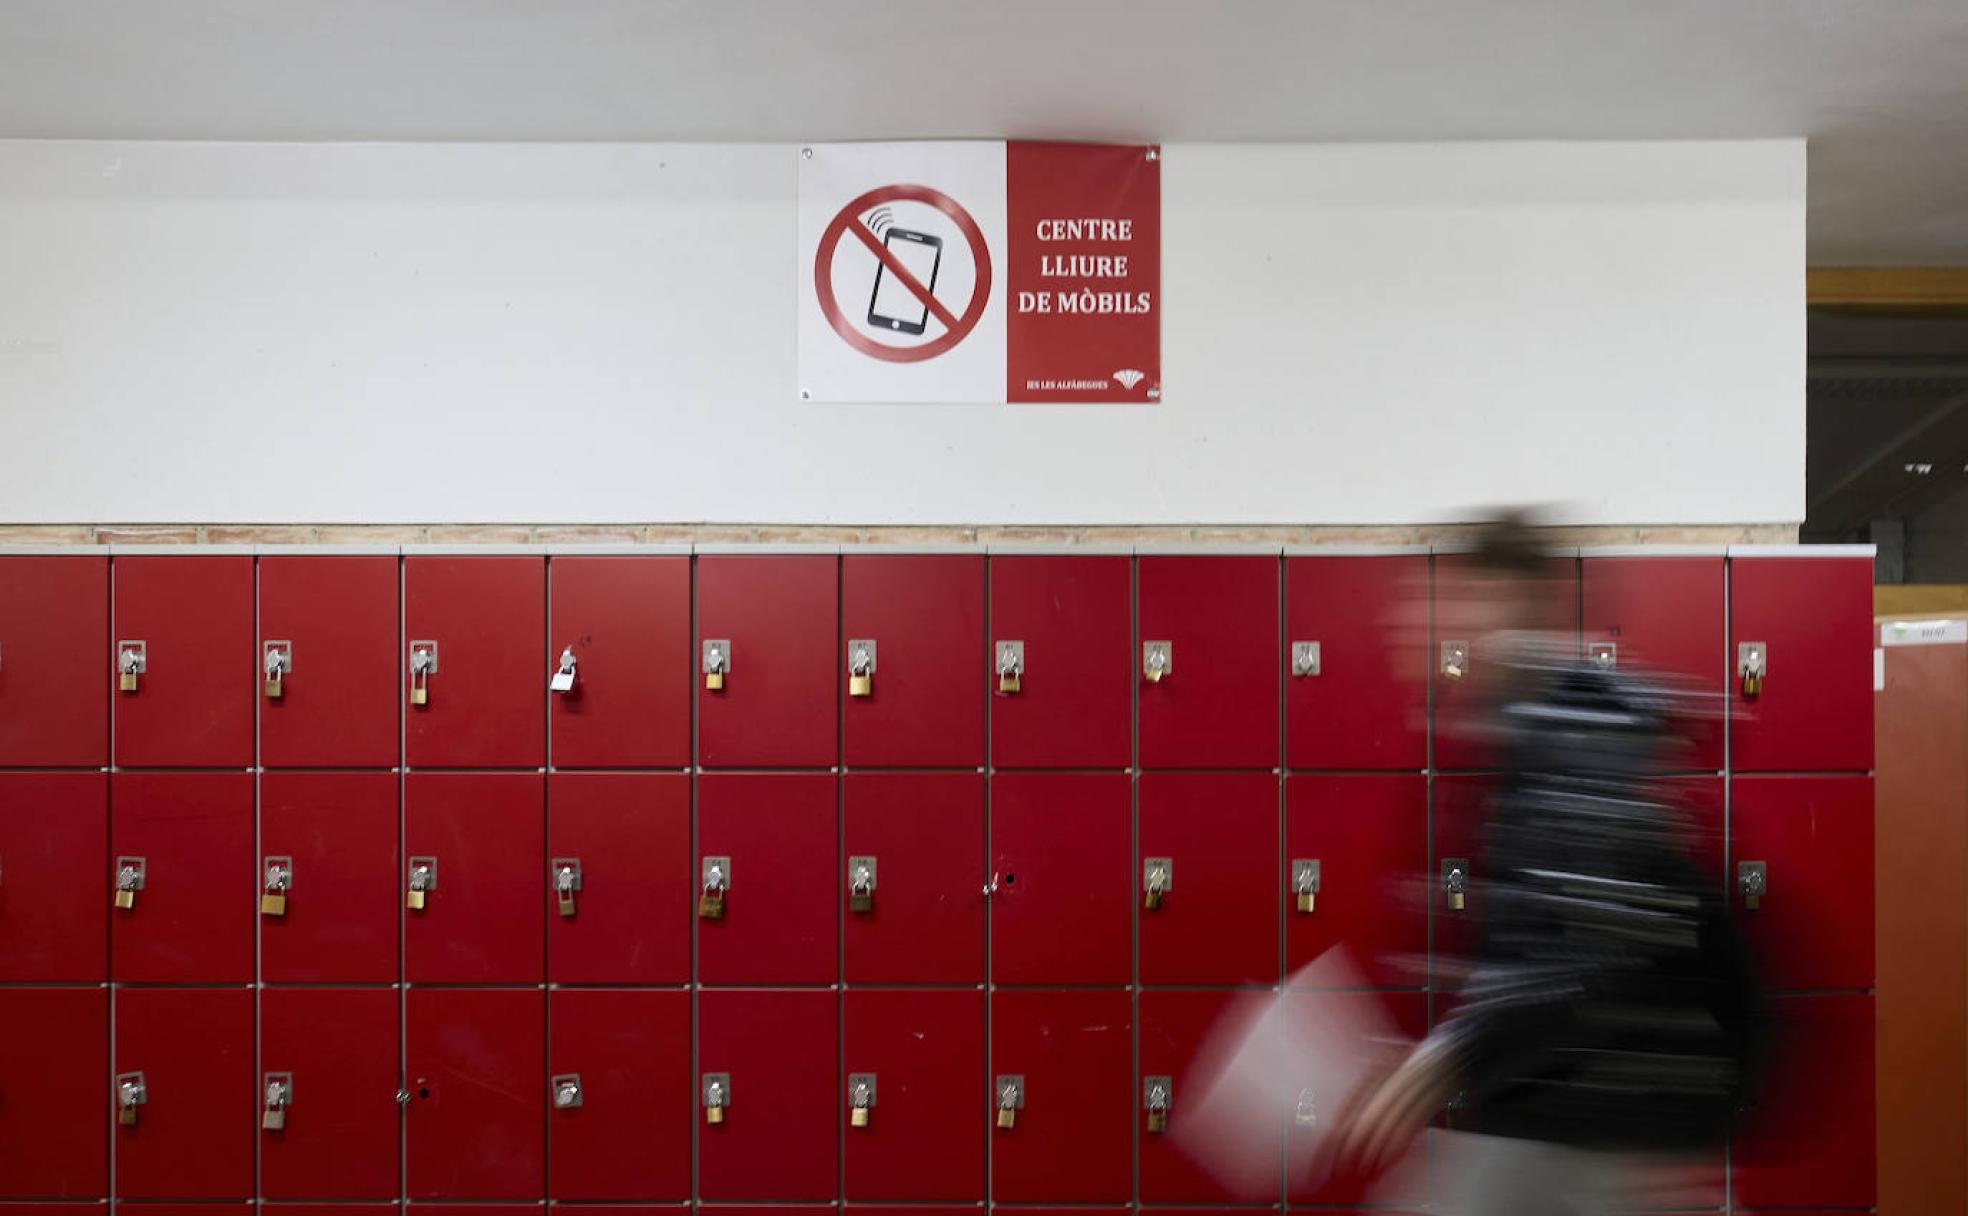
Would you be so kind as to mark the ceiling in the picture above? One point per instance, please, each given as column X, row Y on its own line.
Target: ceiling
column 1880, row 86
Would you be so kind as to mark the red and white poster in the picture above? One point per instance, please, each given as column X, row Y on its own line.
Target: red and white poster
column 980, row 272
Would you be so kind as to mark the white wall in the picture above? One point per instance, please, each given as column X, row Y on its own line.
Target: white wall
column 1352, row 334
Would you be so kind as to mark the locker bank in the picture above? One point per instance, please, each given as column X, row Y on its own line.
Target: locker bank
column 791, row 877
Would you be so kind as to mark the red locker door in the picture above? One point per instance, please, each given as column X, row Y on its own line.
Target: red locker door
column 54, row 1071
column 923, row 921
column 54, row 896
column 1211, row 625
column 1364, row 838
column 1812, row 836
column 335, row 1052
column 1465, row 671
column 478, row 1086
column 1062, row 862
column 773, row 1057
column 1699, row 800
column 1812, row 617
column 774, row 623
column 188, row 623
column 1209, row 862
column 1068, row 1059
column 621, row 1094
column 334, row 836
column 1066, row 623
column 916, row 622
column 1460, row 806
column 775, row 841
column 1356, row 662
column 1663, row 615
column 333, row 619
column 920, row 1054
column 485, row 619
column 54, row 661
column 481, row 839
column 626, row 623
column 1335, row 1036
column 1810, row 1138
column 1205, row 1148
column 626, row 838
column 188, row 840
column 323, row 1209
column 189, row 1055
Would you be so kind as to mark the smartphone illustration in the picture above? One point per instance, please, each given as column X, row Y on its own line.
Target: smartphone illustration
column 894, row 306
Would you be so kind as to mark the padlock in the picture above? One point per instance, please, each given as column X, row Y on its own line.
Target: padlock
column 1305, row 883
column 1752, row 877
column 1011, row 1097
column 278, row 659
column 1752, row 664
column 273, row 896
column 1157, row 660
column 132, row 658
column 1007, row 1116
column 1306, row 1114
column 717, row 1096
column 1455, row 660
column 1155, row 1095
column 1455, row 882
column 423, row 879
column 1011, row 666
column 861, row 668
column 419, row 695
column 566, row 881
column 714, row 680
column 129, row 881
column 717, row 881
column 423, row 664
column 1155, row 880
column 1008, row 683
column 127, row 682
column 861, row 1099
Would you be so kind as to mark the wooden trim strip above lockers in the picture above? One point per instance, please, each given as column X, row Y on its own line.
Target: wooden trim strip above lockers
column 390, row 538
column 1897, row 288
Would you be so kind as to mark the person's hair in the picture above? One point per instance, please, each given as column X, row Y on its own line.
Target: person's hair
column 1509, row 543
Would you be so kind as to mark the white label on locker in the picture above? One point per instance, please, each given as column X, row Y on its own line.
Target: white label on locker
column 1924, row 633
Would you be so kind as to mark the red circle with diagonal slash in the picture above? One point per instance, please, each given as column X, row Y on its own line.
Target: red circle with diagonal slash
column 955, row 328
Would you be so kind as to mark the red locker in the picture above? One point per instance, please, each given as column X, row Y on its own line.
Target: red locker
column 913, row 629
column 54, row 1071
column 1812, row 837
column 922, row 920
column 1812, row 618
column 773, row 1057
column 54, row 661
column 1063, row 1062
column 1209, row 663
column 330, row 1209
column 921, row 1054
column 328, row 645
column 626, row 840
column 476, row 841
column 773, row 624
column 1356, row 662
column 620, row 1092
column 625, row 623
column 185, row 624
column 186, row 841
column 54, row 889
column 1461, row 803
column 478, row 1094
column 481, row 624
column 1364, row 839
column 1062, row 623
column 333, row 835
column 775, row 842
column 1062, row 867
column 1809, row 1139
column 328, row 1072
column 184, row 1068
column 1700, row 801
column 1198, row 1151
column 1353, row 1027
column 1464, row 620
column 1663, row 615
column 1209, row 859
